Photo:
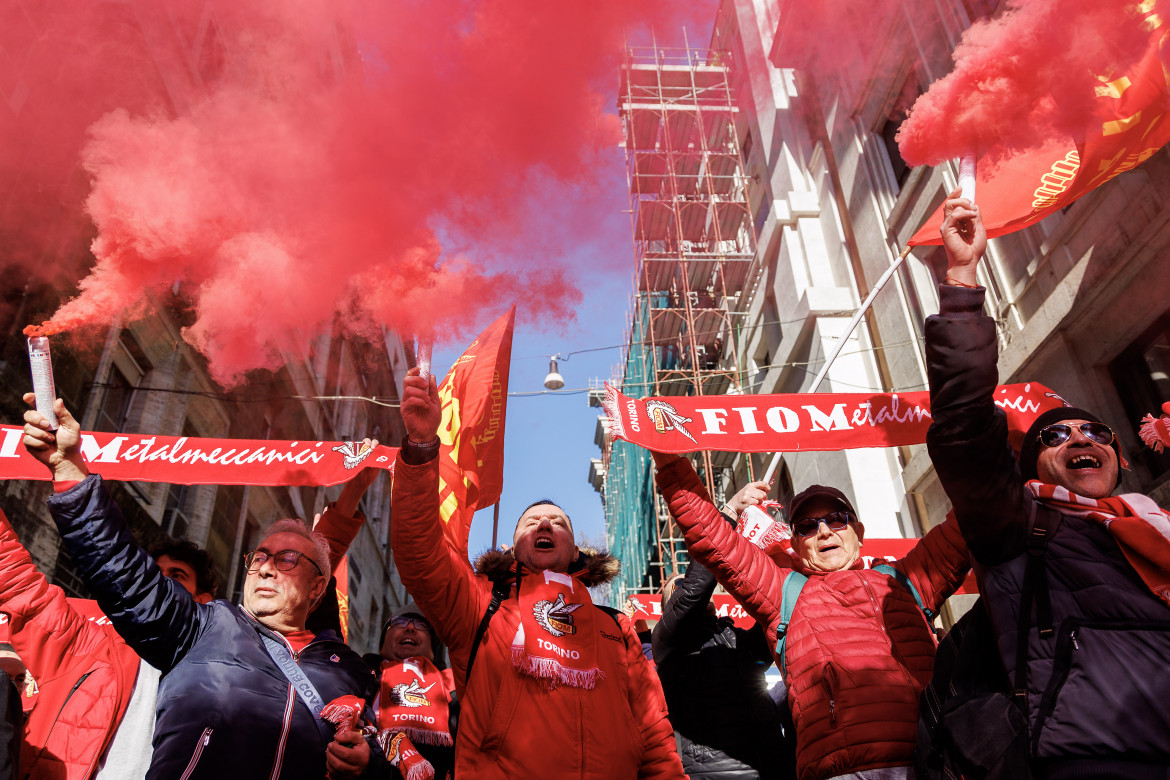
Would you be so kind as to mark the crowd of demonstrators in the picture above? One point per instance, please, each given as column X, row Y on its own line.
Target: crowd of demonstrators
column 1075, row 584
column 241, row 685
column 856, row 649
column 1076, row 579
column 713, row 674
column 551, row 686
column 94, row 712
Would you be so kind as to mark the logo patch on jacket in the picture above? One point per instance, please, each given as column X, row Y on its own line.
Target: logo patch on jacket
column 556, row 617
column 412, row 695
column 335, row 658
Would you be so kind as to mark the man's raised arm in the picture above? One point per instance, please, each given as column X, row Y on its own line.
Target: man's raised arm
column 156, row 616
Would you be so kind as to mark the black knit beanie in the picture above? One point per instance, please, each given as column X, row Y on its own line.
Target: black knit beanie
column 1030, row 450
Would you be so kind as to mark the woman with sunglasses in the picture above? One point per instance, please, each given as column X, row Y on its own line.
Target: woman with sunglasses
column 858, row 649
column 1096, row 639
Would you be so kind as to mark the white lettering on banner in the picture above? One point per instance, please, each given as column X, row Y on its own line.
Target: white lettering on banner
column 782, row 419
column 713, row 419
column 834, row 421
column 176, row 454
column 1020, row 404
column 736, row 610
column 562, row 652
column 747, row 419
column 95, row 454
column 12, row 437
column 865, row 413
column 407, row 716
column 632, row 408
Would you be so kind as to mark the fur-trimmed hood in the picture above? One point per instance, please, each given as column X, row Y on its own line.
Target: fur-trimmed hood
column 596, row 567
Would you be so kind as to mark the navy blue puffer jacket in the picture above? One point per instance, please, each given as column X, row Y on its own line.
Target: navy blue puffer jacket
column 224, row 707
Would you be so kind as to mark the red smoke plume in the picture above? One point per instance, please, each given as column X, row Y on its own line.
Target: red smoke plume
column 289, row 162
column 1027, row 77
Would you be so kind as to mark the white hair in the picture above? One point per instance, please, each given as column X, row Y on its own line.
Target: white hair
column 320, row 554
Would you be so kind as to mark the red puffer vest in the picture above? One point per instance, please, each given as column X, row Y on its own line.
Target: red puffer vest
column 859, row 650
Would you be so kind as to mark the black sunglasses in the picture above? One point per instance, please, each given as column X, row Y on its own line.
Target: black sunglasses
column 837, row 521
column 1058, row 433
column 402, row 621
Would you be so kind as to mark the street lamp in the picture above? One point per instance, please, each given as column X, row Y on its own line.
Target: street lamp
column 554, row 380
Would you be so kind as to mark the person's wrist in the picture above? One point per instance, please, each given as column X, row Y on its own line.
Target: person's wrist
column 69, row 470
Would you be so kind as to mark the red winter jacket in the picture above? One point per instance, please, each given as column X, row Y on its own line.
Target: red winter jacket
column 859, row 650
column 85, row 672
column 512, row 725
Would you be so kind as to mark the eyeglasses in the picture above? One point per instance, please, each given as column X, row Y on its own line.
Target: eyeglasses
column 285, row 560
column 402, row 621
column 837, row 521
column 1058, row 433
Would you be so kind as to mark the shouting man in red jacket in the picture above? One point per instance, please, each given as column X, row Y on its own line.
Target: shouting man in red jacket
column 552, row 686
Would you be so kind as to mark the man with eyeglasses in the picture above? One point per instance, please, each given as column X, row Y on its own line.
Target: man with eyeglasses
column 242, row 685
column 412, row 703
column 1076, row 580
column 856, row 649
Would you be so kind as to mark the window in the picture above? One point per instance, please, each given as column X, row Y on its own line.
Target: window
column 1142, row 376
column 977, row 9
column 116, row 402
column 893, row 120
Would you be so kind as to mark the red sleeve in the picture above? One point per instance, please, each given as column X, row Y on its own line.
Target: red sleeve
column 648, row 703
column 938, row 563
column 439, row 579
column 46, row 632
column 339, row 531
column 746, row 571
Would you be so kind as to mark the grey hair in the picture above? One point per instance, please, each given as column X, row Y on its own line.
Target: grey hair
column 320, row 554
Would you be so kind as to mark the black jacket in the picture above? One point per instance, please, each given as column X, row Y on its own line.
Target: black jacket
column 224, row 707
column 1097, row 689
column 713, row 676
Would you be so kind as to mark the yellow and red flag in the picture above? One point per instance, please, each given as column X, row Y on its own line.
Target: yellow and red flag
column 474, row 395
column 1021, row 191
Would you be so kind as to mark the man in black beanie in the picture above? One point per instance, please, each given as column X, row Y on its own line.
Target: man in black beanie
column 1076, row 581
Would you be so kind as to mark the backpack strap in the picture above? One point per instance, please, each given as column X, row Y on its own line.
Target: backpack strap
column 1035, row 590
column 905, row 582
column 793, row 585
column 500, row 591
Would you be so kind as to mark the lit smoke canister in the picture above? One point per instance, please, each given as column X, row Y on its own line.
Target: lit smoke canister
column 422, row 356
column 41, row 363
column 967, row 176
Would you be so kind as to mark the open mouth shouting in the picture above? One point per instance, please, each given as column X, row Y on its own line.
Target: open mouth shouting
column 1084, row 461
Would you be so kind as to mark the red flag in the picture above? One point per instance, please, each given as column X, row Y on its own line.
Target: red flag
column 341, row 572
column 474, row 395
column 1022, row 191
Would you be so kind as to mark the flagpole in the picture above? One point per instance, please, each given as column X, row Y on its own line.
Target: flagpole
column 852, row 326
column 495, row 523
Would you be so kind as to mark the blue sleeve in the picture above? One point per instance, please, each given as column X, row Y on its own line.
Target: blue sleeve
column 156, row 616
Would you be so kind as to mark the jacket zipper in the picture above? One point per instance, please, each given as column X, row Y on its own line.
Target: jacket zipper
column 831, row 684
column 204, row 738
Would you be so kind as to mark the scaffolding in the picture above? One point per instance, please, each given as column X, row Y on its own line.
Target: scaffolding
column 694, row 248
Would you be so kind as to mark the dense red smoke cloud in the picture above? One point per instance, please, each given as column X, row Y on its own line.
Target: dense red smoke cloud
column 288, row 162
column 1026, row 77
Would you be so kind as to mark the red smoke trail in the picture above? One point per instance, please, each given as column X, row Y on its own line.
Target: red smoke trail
column 1025, row 78
column 289, row 162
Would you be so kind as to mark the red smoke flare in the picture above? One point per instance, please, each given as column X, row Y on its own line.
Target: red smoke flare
column 289, row 162
column 1027, row 77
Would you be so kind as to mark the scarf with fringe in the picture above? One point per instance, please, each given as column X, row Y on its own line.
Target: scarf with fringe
column 556, row 640
column 1138, row 525
column 402, row 755
column 413, row 700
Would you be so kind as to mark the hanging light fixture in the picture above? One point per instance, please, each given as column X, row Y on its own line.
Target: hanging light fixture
column 554, row 380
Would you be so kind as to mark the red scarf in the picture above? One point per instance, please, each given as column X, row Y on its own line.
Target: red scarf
column 1140, row 528
column 402, row 755
column 413, row 700
column 556, row 640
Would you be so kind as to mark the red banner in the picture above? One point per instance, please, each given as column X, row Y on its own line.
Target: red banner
column 474, row 395
column 797, row 421
column 1022, row 191
column 181, row 460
